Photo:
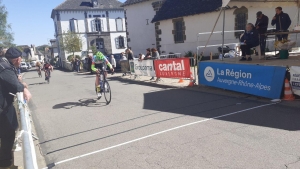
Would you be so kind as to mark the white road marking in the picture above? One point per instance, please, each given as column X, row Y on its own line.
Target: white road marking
column 158, row 133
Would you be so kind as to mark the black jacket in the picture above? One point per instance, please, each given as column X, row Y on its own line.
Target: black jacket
column 282, row 21
column 9, row 83
column 263, row 24
column 251, row 38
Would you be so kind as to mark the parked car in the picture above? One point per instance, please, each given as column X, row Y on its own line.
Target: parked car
column 29, row 66
column 24, row 66
column 33, row 63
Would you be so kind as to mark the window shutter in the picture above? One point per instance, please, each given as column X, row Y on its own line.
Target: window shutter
column 102, row 25
column 93, row 26
column 70, row 23
column 76, row 26
column 117, row 43
column 125, row 42
column 119, row 24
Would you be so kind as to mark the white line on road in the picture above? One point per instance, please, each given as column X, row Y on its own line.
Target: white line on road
column 155, row 134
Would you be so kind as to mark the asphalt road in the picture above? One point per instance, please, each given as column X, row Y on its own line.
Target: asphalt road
column 150, row 126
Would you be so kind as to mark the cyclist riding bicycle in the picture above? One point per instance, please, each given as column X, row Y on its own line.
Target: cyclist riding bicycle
column 47, row 67
column 38, row 66
column 100, row 62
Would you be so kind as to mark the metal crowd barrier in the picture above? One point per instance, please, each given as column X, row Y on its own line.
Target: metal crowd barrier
column 175, row 55
column 29, row 155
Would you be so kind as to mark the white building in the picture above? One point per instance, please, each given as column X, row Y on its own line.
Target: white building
column 100, row 23
column 140, row 29
column 177, row 23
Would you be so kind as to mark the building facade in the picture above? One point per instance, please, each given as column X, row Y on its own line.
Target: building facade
column 176, row 24
column 140, row 29
column 99, row 23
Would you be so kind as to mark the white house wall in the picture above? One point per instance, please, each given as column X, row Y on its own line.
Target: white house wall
column 204, row 23
column 113, row 43
column 65, row 20
column 141, row 35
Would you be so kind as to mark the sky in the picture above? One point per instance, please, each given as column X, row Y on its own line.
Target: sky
column 31, row 20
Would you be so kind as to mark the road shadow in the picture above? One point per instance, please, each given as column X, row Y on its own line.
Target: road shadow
column 80, row 103
column 32, row 78
column 276, row 116
column 41, row 83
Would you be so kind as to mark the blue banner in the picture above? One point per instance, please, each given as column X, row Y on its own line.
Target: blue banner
column 264, row 81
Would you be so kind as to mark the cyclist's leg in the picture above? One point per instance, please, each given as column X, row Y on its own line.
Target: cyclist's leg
column 97, row 80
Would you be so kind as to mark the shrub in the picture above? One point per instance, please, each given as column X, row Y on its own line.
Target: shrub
column 71, row 56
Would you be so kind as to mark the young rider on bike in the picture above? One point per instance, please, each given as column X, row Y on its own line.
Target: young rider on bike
column 47, row 67
column 100, row 62
column 38, row 66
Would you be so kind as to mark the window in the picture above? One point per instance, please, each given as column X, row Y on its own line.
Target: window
column 73, row 25
column 179, row 30
column 119, row 23
column 120, row 42
column 241, row 17
column 99, row 44
column 97, row 25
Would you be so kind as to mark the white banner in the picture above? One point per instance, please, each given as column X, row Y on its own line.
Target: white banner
column 143, row 68
column 295, row 79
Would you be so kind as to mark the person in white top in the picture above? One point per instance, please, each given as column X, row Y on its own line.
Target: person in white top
column 113, row 62
column 123, row 56
column 141, row 57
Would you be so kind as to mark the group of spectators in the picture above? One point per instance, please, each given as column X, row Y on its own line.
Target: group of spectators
column 10, row 84
column 256, row 34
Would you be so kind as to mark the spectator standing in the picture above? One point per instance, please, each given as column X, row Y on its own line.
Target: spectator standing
column 129, row 54
column 261, row 26
column 282, row 21
column 123, row 56
column 9, row 83
column 77, row 64
column 141, row 57
column 90, row 60
column 155, row 55
column 249, row 40
column 148, row 53
column 113, row 62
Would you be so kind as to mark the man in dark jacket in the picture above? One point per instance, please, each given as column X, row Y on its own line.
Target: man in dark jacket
column 249, row 40
column 9, row 84
column 282, row 21
column 261, row 26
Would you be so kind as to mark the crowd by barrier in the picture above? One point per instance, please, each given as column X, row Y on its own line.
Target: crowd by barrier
column 29, row 155
column 171, row 66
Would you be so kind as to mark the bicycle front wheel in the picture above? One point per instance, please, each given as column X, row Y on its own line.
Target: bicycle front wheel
column 107, row 92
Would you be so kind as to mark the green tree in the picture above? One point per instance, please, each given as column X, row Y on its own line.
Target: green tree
column 94, row 50
column 71, row 42
column 6, row 36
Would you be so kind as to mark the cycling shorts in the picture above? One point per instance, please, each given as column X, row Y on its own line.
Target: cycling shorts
column 101, row 66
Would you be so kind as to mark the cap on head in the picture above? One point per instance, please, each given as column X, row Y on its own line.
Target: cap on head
column 13, row 53
column 258, row 13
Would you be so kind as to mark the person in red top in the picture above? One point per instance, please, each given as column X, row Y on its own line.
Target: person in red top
column 47, row 67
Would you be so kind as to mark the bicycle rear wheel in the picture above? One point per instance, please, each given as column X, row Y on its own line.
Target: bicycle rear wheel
column 107, row 92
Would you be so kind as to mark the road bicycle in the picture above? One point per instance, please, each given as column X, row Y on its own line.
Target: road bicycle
column 39, row 72
column 47, row 75
column 104, row 86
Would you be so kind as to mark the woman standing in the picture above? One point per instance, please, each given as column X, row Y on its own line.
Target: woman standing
column 155, row 55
